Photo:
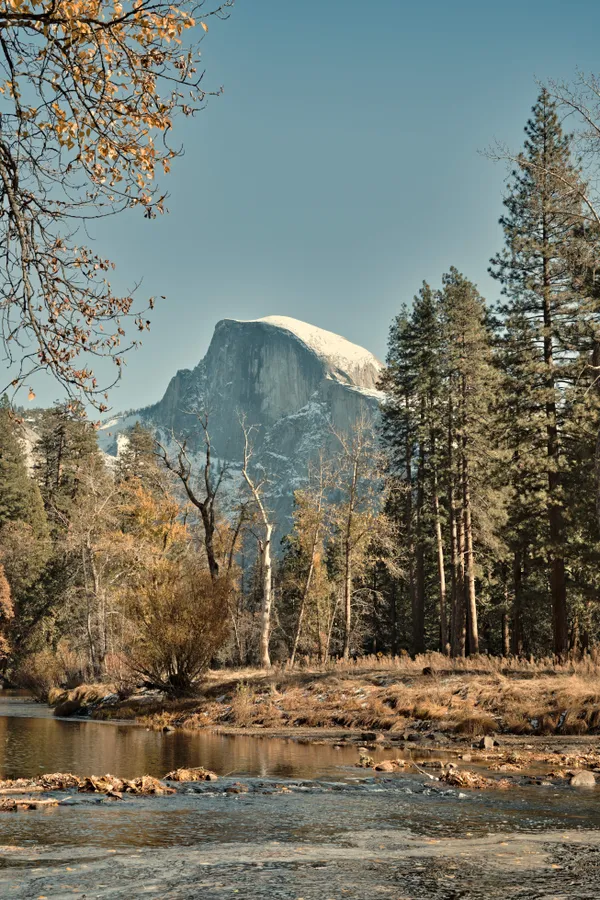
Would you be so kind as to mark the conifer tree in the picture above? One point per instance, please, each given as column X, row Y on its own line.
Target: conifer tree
column 399, row 433
column 474, row 482
column 138, row 457
column 545, row 241
column 67, row 447
column 16, row 494
column 413, row 433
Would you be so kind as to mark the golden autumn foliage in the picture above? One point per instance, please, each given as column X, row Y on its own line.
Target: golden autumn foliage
column 6, row 613
column 180, row 617
column 176, row 614
column 89, row 91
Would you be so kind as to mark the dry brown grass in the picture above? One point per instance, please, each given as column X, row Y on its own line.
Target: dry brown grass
column 480, row 695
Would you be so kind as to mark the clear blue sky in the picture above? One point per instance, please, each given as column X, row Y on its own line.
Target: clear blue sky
column 340, row 167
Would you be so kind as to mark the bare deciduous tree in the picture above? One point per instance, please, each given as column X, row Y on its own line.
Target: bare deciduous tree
column 256, row 489
column 211, row 483
column 310, row 523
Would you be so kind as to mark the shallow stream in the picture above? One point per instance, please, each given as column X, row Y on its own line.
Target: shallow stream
column 333, row 832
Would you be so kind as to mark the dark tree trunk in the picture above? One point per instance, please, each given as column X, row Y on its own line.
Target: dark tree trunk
column 558, row 583
column 517, row 633
column 456, row 561
column 469, row 582
column 420, row 557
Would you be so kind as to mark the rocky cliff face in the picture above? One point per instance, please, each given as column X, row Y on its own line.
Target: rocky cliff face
column 298, row 384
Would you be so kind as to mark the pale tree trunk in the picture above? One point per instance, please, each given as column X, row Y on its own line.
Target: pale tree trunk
column 267, row 580
column 348, row 548
column 265, row 553
column 347, row 601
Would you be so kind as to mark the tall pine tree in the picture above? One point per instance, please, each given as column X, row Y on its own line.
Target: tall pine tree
column 545, row 240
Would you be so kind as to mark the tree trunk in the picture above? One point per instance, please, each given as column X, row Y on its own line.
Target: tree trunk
column 440, row 564
column 596, row 372
column 347, row 601
column 408, row 524
column 469, row 584
column 265, row 556
column 394, row 610
column 348, row 556
column 505, row 634
column 420, row 557
column 208, row 522
column 304, row 598
column 267, row 578
column 558, row 584
column 457, row 637
column 330, row 627
column 461, row 625
column 517, row 634
column 505, row 613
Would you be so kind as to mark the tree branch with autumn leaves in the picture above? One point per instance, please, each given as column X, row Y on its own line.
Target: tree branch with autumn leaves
column 89, row 93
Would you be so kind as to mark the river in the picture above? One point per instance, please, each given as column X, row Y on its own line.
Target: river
column 309, row 827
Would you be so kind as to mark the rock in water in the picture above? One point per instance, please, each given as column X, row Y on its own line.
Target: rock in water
column 299, row 384
column 583, row 779
column 196, row 774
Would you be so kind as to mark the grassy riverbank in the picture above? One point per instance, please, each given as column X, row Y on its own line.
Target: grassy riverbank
column 472, row 697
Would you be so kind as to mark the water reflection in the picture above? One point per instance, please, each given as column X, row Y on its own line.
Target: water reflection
column 32, row 742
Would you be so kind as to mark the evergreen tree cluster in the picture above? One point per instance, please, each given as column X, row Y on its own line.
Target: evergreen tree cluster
column 490, row 428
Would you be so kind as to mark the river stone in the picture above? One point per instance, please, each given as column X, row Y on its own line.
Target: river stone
column 486, row 743
column 237, row 788
column 386, row 765
column 583, row 779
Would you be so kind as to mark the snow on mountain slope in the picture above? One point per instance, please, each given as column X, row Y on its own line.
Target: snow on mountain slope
column 352, row 363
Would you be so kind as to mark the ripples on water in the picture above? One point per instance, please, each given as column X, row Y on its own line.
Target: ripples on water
column 33, row 741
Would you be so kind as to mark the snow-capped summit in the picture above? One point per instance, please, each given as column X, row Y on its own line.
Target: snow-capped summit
column 348, row 361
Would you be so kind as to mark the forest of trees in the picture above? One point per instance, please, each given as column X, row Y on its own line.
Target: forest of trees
column 464, row 521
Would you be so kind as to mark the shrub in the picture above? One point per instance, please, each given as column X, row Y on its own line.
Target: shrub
column 179, row 619
column 47, row 669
